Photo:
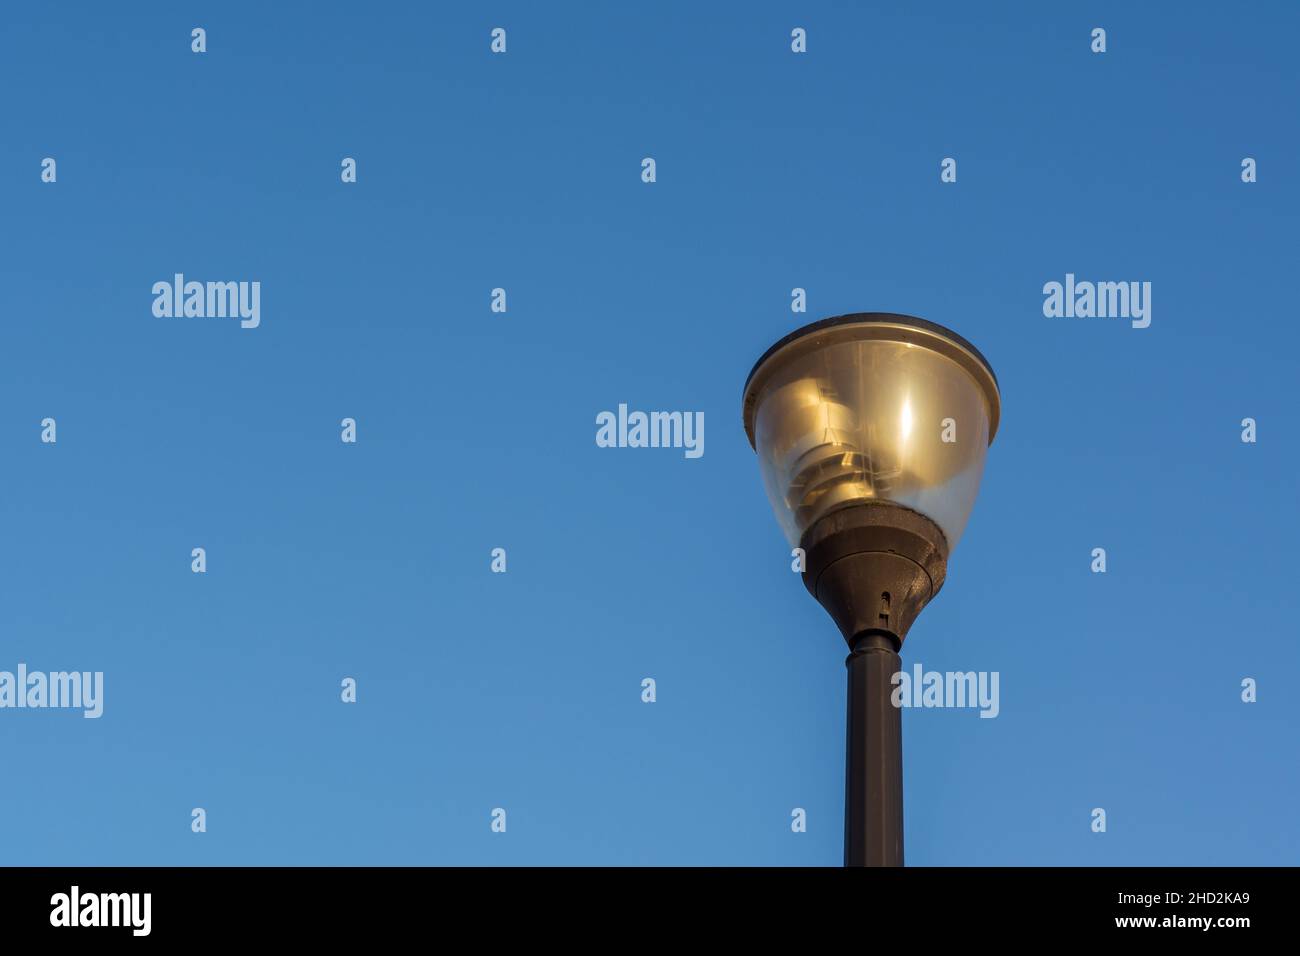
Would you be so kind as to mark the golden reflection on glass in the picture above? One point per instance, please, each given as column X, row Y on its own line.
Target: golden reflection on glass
column 854, row 420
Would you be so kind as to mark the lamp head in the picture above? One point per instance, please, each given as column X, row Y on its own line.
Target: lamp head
column 871, row 431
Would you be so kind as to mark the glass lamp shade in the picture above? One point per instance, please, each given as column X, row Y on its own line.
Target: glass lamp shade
column 867, row 408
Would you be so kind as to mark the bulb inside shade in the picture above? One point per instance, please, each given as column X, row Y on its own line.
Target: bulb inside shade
column 872, row 408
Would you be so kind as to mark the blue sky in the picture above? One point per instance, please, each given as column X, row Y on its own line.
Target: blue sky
column 476, row 430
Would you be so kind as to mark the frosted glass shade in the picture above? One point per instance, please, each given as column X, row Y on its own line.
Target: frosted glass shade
column 872, row 407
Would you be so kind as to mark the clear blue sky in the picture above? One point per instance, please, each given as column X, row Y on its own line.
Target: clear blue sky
column 476, row 430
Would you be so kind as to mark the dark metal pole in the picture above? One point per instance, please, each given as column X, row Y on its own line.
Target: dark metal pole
column 873, row 785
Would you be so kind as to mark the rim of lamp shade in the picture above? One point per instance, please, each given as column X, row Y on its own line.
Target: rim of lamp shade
column 865, row 326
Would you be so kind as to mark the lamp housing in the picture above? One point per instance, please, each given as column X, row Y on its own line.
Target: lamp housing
column 871, row 431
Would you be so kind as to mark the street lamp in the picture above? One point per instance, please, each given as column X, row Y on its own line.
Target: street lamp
column 871, row 431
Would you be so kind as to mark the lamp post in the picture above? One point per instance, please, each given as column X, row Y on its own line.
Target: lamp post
column 871, row 431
